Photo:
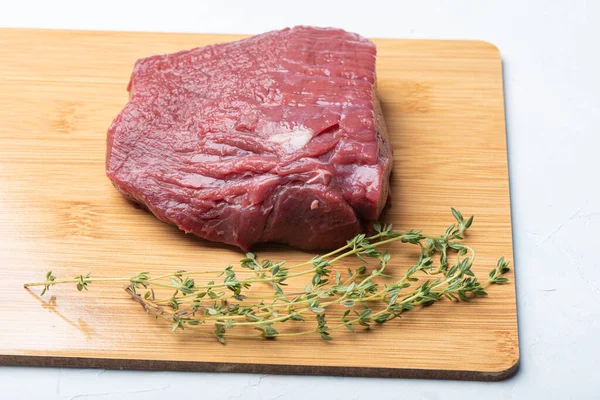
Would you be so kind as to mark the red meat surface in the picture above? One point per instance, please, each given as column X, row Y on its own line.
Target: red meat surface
column 274, row 138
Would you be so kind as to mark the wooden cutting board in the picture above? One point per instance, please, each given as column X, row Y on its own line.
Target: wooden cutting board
column 59, row 91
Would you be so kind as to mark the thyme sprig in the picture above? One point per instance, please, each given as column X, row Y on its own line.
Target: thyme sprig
column 226, row 302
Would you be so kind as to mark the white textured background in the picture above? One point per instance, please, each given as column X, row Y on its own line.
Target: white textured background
column 551, row 53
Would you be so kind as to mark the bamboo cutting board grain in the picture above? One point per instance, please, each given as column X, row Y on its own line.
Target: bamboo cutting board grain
column 59, row 90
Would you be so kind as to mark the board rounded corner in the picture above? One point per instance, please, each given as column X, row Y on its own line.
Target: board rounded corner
column 490, row 47
column 507, row 371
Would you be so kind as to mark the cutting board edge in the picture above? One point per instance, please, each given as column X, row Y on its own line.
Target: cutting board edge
column 237, row 36
column 279, row 369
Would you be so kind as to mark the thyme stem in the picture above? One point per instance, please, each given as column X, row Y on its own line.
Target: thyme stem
column 215, row 308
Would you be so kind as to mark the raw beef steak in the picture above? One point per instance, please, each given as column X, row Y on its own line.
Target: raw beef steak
column 275, row 138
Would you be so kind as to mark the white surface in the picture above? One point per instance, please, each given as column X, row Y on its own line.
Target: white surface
column 551, row 63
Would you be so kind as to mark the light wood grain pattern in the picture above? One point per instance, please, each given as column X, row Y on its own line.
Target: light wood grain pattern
column 443, row 103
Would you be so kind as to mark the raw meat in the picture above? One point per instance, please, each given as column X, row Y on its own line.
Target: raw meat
column 275, row 138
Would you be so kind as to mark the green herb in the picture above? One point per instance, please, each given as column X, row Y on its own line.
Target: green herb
column 224, row 307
